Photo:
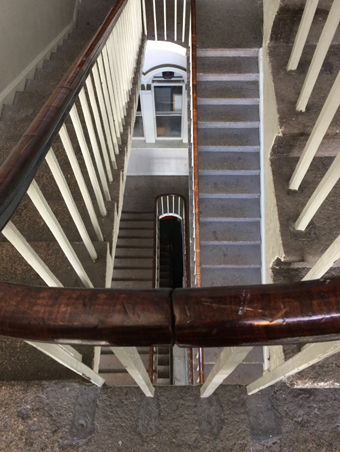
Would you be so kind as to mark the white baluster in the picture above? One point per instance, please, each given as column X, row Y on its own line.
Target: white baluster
column 112, row 96
column 321, row 192
column 175, row 21
column 301, row 36
column 154, row 19
column 227, row 362
column 88, row 161
column 184, row 19
column 321, row 50
column 144, row 19
column 319, row 130
column 164, row 8
column 59, row 177
column 62, row 356
column 104, row 114
column 107, row 103
column 80, row 180
column 99, row 128
column 133, row 363
column 94, row 144
column 31, row 257
column 48, row 216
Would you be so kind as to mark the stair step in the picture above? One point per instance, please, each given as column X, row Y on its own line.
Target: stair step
column 135, row 243
column 214, row 277
column 135, row 233
column 228, row 52
column 138, row 216
column 233, row 255
column 233, row 90
column 228, row 137
column 134, row 252
column 136, row 224
column 229, row 161
column 228, row 185
column 229, row 209
column 137, row 285
column 128, row 274
column 228, row 114
column 109, row 363
column 226, row 65
column 228, row 232
column 135, row 263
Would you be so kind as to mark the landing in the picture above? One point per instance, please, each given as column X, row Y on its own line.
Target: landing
column 229, row 23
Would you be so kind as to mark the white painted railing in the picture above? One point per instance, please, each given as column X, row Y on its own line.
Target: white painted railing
column 278, row 368
column 92, row 135
column 320, row 128
column 170, row 20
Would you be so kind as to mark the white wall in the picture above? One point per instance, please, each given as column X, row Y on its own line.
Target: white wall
column 30, row 29
column 274, row 246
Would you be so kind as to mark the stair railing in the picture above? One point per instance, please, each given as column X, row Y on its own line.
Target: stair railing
column 320, row 128
column 170, row 20
column 90, row 117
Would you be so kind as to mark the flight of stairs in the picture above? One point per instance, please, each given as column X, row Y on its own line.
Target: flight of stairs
column 229, row 166
column 229, row 180
column 132, row 270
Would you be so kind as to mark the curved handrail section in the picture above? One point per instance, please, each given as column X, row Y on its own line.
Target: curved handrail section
column 20, row 167
column 208, row 317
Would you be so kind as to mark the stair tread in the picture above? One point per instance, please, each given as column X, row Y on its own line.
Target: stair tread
column 228, row 137
column 122, row 284
column 233, row 161
column 212, row 277
column 136, row 263
column 228, row 185
column 130, row 242
column 133, row 274
column 229, row 208
column 230, row 255
column 230, row 90
column 217, row 231
column 228, row 113
column 227, row 65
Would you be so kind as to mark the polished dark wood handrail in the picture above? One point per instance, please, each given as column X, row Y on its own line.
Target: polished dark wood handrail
column 195, row 143
column 207, row 317
column 19, row 169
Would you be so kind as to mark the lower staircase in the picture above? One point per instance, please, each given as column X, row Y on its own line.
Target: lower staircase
column 133, row 267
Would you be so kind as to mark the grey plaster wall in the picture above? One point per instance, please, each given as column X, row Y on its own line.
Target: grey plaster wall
column 28, row 30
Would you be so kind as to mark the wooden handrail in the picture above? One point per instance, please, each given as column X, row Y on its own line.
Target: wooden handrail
column 206, row 317
column 20, row 167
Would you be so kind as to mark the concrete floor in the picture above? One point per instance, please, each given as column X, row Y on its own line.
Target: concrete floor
column 70, row 417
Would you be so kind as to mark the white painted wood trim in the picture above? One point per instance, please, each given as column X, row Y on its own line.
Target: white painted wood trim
column 309, row 355
column 227, row 362
column 133, row 363
column 63, row 357
column 302, row 33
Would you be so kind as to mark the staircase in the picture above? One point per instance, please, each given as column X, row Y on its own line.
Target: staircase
column 229, row 166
